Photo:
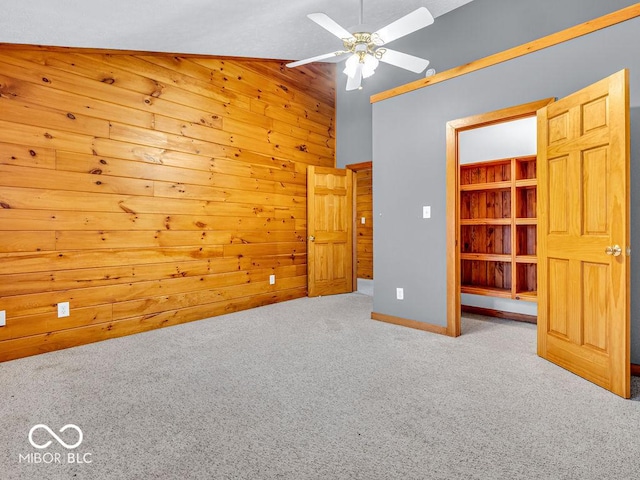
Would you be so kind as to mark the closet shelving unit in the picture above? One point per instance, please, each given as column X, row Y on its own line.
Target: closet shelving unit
column 498, row 227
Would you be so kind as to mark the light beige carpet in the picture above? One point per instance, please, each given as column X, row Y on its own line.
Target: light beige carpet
column 313, row 389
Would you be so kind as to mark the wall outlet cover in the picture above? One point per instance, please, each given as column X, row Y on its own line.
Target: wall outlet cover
column 272, row 279
column 426, row 211
column 3, row 318
column 400, row 293
column 63, row 309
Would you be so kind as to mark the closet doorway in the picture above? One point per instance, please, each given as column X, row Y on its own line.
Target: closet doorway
column 492, row 184
column 363, row 228
column 582, row 220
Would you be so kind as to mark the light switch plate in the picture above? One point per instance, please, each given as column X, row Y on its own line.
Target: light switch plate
column 400, row 293
column 272, row 279
column 363, row 220
column 426, row 211
column 3, row 318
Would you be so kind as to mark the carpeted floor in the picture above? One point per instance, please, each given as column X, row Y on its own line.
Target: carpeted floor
column 313, row 389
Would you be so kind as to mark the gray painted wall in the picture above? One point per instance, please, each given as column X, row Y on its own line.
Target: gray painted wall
column 409, row 158
column 635, row 231
column 478, row 29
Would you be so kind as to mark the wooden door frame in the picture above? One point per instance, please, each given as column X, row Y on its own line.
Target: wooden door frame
column 454, row 127
column 356, row 167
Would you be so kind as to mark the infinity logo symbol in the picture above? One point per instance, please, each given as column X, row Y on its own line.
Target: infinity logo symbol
column 52, row 433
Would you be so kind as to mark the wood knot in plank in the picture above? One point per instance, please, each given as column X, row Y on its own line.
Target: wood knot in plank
column 4, row 205
column 150, row 158
column 108, row 80
column 48, row 135
column 71, row 116
column 96, row 171
column 302, row 148
column 46, row 80
column 284, row 88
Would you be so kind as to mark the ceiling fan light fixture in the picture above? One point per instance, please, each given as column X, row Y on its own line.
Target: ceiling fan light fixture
column 367, row 61
column 370, row 65
column 351, row 65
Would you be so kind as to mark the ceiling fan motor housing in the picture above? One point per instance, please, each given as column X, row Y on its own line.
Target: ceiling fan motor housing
column 362, row 42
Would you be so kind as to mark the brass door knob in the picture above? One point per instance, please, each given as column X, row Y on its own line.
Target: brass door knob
column 312, row 238
column 613, row 250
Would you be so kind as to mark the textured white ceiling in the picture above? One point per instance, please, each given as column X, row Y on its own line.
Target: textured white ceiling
column 248, row 28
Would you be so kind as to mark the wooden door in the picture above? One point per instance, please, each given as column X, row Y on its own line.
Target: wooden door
column 330, row 231
column 583, row 211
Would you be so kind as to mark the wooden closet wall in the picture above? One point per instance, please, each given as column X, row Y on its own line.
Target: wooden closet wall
column 149, row 190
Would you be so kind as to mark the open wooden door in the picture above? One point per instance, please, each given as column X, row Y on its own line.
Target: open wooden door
column 583, row 233
column 330, row 231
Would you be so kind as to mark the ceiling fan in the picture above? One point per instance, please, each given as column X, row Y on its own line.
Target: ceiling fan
column 366, row 49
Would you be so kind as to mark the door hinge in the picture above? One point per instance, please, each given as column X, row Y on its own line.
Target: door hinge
column 628, row 251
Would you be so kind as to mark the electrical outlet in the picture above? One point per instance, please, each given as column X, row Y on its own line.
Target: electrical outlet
column 363, row 220
column 272, row 279
column 3, row 318
column 400, row 293
column 63, row 309
column 426, row 211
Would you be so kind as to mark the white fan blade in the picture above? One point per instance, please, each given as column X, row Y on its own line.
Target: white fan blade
column 330, row 25
column 411, row 22
column 316, row 58
column 403, row 60
column 354, row 82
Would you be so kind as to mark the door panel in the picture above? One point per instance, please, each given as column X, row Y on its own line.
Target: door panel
column 558, row 205
column 594, row 305
column 330, row 230
column 558, row 297
column 583, row 166
column 595, row 166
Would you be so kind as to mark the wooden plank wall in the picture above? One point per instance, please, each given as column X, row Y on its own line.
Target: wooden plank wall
column 149, row 190
column 364, row 208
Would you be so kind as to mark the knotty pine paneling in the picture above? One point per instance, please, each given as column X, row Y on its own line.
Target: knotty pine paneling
column 149, row 190
column 364, row 209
